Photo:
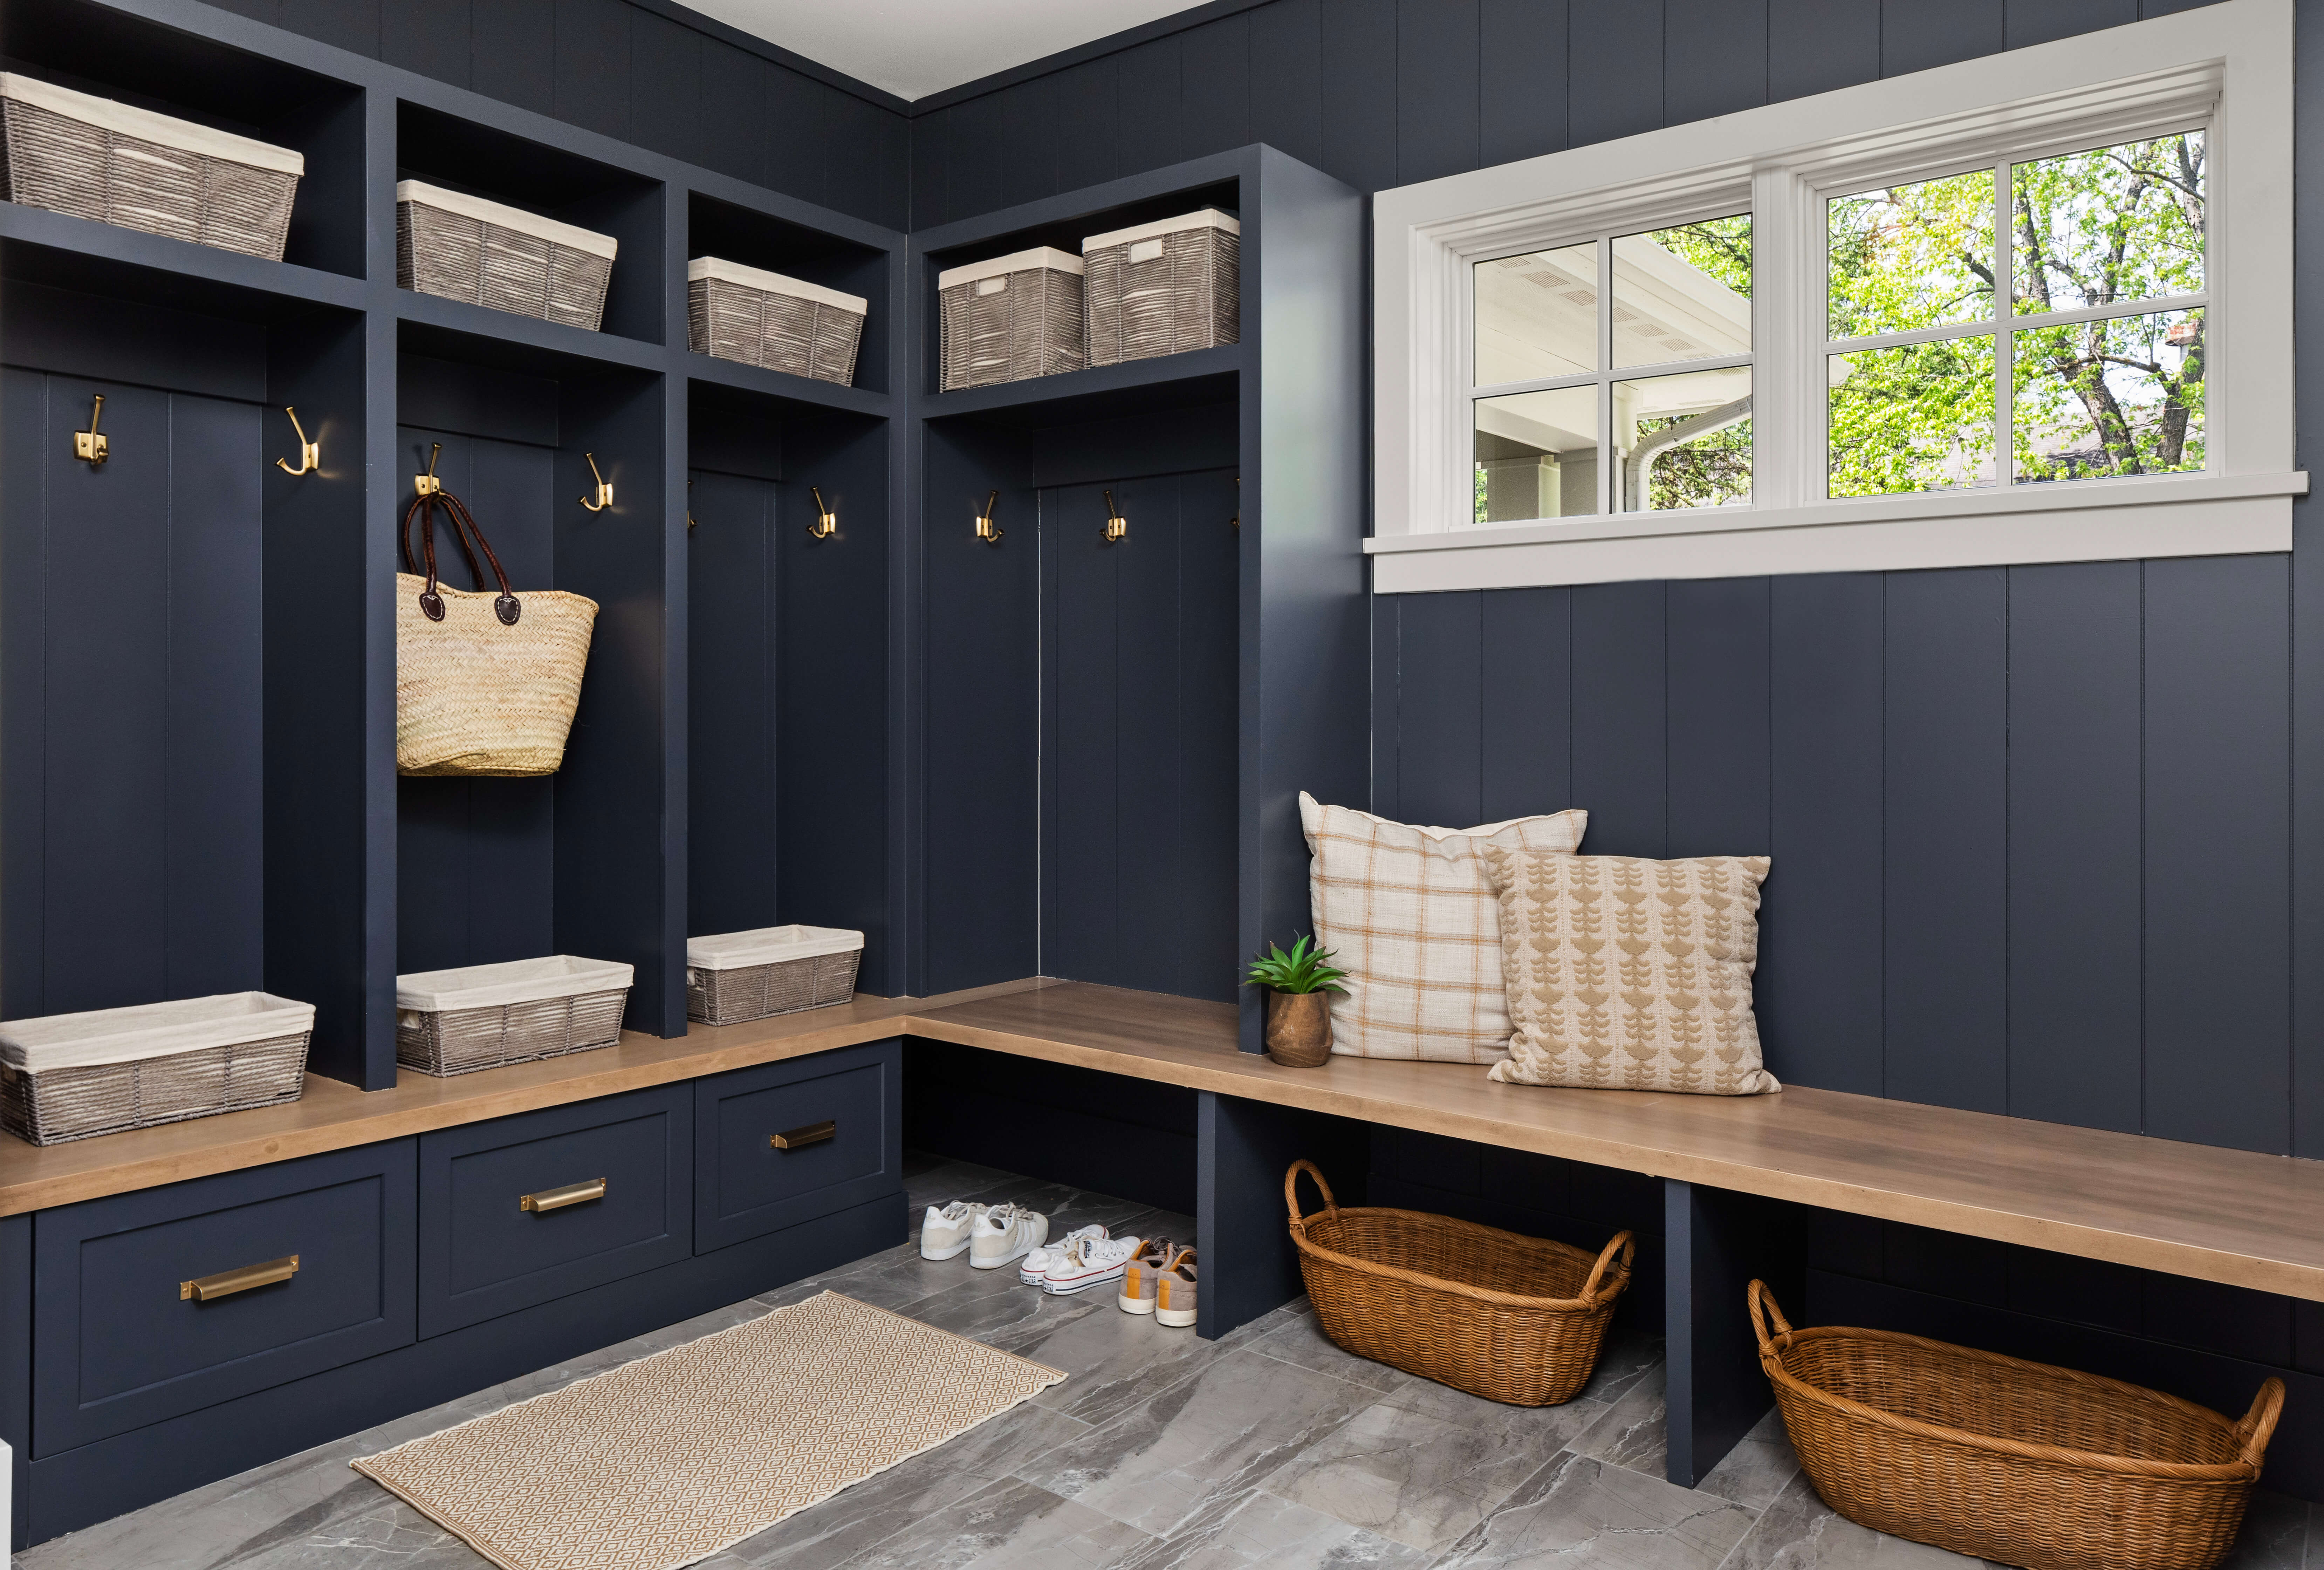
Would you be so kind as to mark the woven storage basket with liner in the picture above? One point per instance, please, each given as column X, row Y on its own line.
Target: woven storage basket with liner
column 1011, row 318
column 68, row 1077
column 1164, row 288
column 484, row 684
column 735, row 312
column 1509, row 1317
column 774, row 970
column 482, row 1016
column 93, row 158
column 2015, row 1462
column 464, row 247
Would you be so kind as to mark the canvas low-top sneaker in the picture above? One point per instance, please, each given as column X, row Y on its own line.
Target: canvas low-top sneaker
column 944, row 1234
column 1138, row 1278
column 1097, row 1262
column 1174, row 1292
column 1036, row 1263
column 1006, row 1233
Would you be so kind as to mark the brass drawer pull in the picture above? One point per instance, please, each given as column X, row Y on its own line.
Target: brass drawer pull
column 811, row 1134
column 558, row 1198
column 226, row 1283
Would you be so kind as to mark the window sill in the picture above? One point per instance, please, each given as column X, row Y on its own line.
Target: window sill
column 2081, row 521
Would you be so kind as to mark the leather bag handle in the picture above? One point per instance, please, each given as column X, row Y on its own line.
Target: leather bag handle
column 463, row 525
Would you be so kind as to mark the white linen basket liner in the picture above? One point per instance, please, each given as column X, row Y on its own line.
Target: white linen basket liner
column 1046, row 256
column 1207, row 218
column 767, row 282
column 768, row 945
column 506, row 218
column 148, row 126
column 515, row 981
column 149, row 1031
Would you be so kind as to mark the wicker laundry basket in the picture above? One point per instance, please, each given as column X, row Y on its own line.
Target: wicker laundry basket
column 68, row 1077
column 464, row 247
column 483, row 1016
column 2015, row 1462
column 1011, row 318
column 775, row 970
column 1164, row 288
column 1511, row 1318
column 93, row 158
column 735, row 312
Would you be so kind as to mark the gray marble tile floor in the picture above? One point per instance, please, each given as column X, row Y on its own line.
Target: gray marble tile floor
column 1271, row 1447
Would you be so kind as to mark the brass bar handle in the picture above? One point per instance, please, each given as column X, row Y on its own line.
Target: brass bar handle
column 226, row 1283
column 811, row 1134
column 558, row 1198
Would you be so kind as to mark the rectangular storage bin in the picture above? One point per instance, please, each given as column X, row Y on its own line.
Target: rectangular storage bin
column 93, row 158
column 773, row 970
column 482, row 1016
column 1164, row 288
column 68, row 1077
column 464, row 247
column 763, row 319
column 1015, row 316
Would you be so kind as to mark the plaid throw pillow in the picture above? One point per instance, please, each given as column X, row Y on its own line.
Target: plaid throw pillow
column 1632, row 974
column 1411, row 916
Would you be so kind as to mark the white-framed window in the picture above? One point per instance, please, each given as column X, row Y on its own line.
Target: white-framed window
column 2029, row 308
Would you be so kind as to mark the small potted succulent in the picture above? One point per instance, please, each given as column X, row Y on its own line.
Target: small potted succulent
column 1299, row 1006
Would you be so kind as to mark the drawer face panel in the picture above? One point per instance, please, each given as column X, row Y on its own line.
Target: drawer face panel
column 121, row 1348
column 481, row 1254
column 746, row 1186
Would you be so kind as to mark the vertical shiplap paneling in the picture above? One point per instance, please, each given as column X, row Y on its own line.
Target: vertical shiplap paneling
column 1614, row 74
column 974, row 135
column 1816, row 45
column 1215, row 68
column 1714, row 58
column 1521, row 81
column 1087, row 129
column 796, row 107
column 515, row 49
column 25, row 442
column 1436, row 82
column 1439, row 648
column 730, row 682
column 2040, row 20
column 1360, row 93
column 871, row 159
column 593, row 65
column 2219, row 914
column 1719, row 718
column 1916, row 34
column 1147, row 851
column 931, row 202
column 1620, row 771
column 735, row 88
column 349, row 25
column 1152, row 101
column 1818, row 991
column 1946, row 843
column 665, row 86
column 1387, row 688
column 432, row 37
column 1029, row 159
column 1079, row 883
column 1527, row 723
column 1286, row 79
column 2074, row 838
column 1209, row 671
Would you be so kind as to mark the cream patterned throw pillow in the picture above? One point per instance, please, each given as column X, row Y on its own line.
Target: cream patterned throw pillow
column 1410, row 914
column 1632, row 974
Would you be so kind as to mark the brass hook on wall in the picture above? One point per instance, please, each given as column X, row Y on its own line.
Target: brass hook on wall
column 601, row 497
column 1117, row 527
column 426, row 485
column 310, row 453
column 87, row 445
column 827, row 521
column 985, row 530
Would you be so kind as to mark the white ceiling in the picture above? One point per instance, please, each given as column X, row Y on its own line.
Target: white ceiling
column 913, row 48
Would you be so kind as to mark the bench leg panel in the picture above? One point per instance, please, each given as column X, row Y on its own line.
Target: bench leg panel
column 1242, row 1147
column 1714, row 1243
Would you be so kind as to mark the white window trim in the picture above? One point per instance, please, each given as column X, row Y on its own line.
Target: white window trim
column 2226, row 68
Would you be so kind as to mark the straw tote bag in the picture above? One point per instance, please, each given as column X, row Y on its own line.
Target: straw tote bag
column 484, row 684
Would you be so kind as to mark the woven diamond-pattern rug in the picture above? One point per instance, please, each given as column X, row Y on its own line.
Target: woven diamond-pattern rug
column 669, row 1459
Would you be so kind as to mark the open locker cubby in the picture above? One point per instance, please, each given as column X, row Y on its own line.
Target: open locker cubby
column 734, row 233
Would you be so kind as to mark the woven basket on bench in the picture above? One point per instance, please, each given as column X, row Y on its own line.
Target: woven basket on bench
column 735, row 976
column 68, row 1076
column 484, row 1016
column 1511, row 1318
column 450, row 244
column 2020, row 1462
column 92, row 158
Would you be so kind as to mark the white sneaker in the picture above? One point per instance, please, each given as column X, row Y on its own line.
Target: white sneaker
column 944, row 1234
column 1091, row 1262
column 1036, row 1263
column 1004, row 1232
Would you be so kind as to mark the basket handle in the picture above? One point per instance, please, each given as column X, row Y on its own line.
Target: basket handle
column 1291, row 1191
column 1628, row 1246
column 2258, row 1426
column 1762, row 1304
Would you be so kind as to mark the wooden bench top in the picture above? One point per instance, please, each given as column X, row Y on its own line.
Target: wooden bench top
column 2232, row 1216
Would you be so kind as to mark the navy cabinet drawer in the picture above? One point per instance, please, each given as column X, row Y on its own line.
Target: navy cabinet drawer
column 121, row 1348
column 745, row 1185
column 484, row 1253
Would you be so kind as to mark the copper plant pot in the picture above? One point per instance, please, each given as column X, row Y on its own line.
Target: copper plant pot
column 1299, row 1028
